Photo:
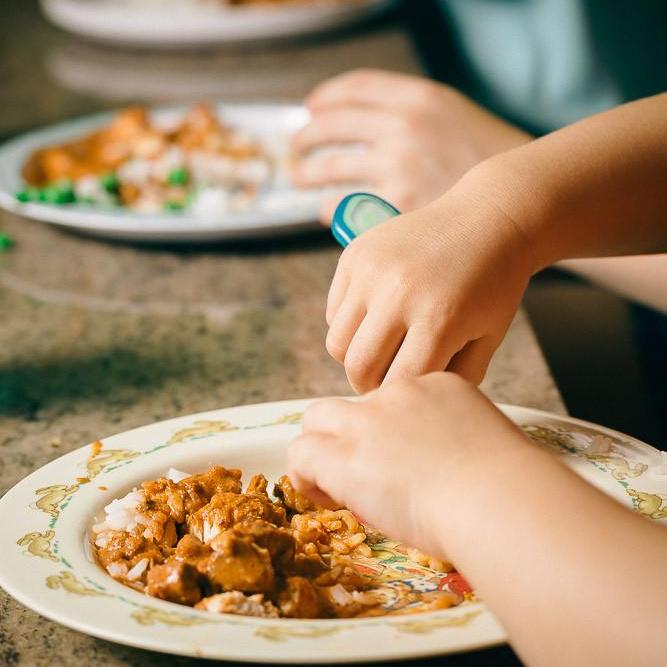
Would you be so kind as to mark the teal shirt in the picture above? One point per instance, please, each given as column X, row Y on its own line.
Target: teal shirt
column 547, row 63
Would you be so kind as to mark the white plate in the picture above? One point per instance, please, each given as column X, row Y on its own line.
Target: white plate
column 280, row 210
column 183, row 23
column 46, row 563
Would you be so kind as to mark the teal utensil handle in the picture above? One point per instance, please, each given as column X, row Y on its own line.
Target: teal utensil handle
column 358, row 213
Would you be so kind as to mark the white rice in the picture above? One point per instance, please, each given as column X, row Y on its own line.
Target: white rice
column 90, row 188
column 117, row 569
column 136, row 571
column 235, row 602
column 340, row 596
column 136, row 171
column 255, row 170
column 211, row 203
column 209, row 169
column 122, row 513
column 176, row 475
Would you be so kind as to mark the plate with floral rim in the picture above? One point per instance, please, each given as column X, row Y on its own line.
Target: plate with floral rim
column 47, row 563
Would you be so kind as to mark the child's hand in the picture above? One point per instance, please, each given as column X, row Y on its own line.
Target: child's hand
column 419, row 137
column 428, row 291
column 395, row 457
column 432, row 463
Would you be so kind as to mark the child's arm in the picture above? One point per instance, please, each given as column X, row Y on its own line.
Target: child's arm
column 575, row 578
column 437, row 288
column 642, row 278
column 595, row 188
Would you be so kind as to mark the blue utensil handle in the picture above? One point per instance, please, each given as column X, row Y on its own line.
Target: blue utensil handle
column 358, row 213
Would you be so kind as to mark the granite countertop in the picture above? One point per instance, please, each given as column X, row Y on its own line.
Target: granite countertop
column 97, row 338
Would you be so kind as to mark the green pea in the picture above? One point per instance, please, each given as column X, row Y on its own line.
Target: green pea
column 6, row 241
column 178, row 176
column 173, row 206
column 49, row 194
column 66, row 194
column 29, row 194
column 58, row 193
column 110, row 182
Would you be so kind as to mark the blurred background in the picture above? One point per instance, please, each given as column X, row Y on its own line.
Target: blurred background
column 98, row 337
column 607, row 353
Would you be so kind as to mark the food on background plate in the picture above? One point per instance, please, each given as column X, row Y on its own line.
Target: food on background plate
column 286, row 2
column 198, row 164
column 201, row 541
column 244, row 3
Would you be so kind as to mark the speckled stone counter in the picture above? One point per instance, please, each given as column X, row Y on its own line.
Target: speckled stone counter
column 98, row 338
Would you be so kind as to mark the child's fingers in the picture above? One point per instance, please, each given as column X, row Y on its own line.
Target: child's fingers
column 337, row 290
column 343, row 327
column 334, row 166
column 342, row 125
column 363, row 87
column 423, row 351
column 322, row 499
column 331, row 416
column 472, row 361
column 372, row 350
column 314, row 461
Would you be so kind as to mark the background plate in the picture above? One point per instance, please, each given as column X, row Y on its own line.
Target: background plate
column 281, row 210
column 170, row 24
